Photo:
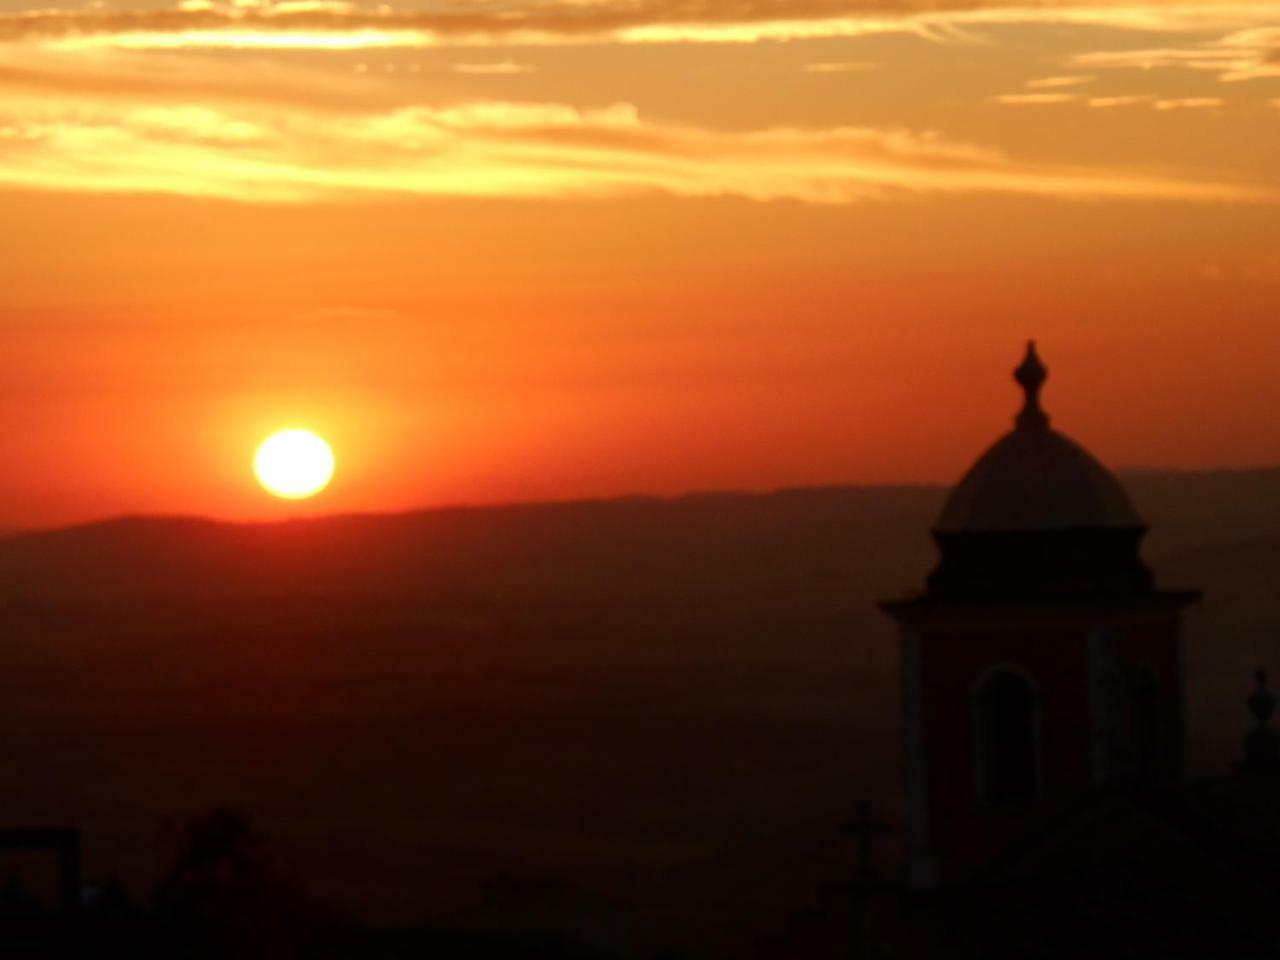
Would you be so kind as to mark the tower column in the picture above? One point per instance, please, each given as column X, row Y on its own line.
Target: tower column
column 922, row 865
column 1041, row 660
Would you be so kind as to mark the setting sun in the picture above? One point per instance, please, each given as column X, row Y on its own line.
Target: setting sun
column 293, row 464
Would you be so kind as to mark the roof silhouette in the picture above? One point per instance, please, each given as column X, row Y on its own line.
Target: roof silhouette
column 1035, row 478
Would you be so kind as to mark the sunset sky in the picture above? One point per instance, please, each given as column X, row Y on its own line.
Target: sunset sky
column 560, row 248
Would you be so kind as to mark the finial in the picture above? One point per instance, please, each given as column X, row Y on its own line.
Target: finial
column 1031, row 374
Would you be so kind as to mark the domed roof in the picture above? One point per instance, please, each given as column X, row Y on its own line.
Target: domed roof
column 1034, row 478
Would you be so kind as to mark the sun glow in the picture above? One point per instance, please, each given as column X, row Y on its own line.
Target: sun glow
column 293, row 464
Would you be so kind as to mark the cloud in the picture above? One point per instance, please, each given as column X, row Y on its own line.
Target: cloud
column 1211, row 59
column 1034, row 99
column 1156, row 103
column 1188, row 103
column 500, row 68
column 335, row 25
column 1246, row 54
column 111, row 100
column 526, row 150
column 846, row 66
column 160, row 77
column 1055, row 83
column 1124, row 100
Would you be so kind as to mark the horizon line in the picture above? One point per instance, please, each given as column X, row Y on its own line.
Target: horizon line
column 9, row 532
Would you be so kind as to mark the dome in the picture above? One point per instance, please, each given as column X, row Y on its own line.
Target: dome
column 1036, row 479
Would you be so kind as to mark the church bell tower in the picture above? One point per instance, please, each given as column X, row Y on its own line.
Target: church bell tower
column 1040, row 660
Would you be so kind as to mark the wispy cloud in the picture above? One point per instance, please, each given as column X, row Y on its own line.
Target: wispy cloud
column 1210, row 59
column 1055, row 83
column 500, row 68
column 334, row 25
column 1245, row 54
column 1123, row 100
column 1033, row 99
column 503, row 149
column 1188, row 103
column 107, row 100
column 845, row 66
column 167, row 78
column 1156, row 103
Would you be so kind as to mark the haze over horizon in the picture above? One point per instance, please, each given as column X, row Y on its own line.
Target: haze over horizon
column 307, row 512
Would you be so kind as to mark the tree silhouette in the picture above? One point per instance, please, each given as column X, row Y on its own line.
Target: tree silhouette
column 221, row 897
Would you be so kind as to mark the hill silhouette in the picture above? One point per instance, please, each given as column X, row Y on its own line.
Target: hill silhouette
column 665, row 704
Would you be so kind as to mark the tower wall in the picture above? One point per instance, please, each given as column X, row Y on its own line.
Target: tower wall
column 1041, row 660
column 1083, row 671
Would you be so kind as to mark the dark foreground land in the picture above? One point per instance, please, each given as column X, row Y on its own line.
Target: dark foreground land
column 602, row 729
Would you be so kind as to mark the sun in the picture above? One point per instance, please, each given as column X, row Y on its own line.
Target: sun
column 293, row 464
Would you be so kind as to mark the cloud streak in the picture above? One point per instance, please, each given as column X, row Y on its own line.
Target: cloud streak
column 333, row 25
column 842, row 66
column 1058, row 83
column 520, row 150
column 1247, row 54
column 501, row 68
column 1034, row 99
column 135, row 107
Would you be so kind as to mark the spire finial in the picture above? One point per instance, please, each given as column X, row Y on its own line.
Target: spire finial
column 1031, row 375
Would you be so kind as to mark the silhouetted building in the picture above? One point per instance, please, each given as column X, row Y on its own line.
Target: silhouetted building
column 1041, row 659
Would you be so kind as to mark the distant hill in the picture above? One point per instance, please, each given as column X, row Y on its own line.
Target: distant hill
column 645, row 699
column 1188, row 510
column 874, row 531
column 693, row 543
column 728, row 582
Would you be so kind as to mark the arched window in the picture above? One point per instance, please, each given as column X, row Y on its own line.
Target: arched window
column 1007, row 731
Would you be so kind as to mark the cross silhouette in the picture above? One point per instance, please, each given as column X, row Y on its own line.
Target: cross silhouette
column 864, row 828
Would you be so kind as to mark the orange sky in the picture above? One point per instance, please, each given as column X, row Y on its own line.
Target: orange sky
column 552, row 249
